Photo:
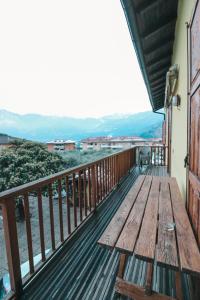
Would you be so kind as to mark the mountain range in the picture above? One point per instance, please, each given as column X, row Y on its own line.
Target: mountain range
column 44, row 128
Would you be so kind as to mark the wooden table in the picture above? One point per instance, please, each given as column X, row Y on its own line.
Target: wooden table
column 152, row 224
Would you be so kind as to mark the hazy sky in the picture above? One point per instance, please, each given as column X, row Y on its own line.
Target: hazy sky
column 67, row 57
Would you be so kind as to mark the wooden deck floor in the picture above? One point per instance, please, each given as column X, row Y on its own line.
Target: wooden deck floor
column 156, row 171
column 84, row 270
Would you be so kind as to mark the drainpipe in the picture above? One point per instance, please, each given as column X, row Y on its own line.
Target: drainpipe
column 160, row 113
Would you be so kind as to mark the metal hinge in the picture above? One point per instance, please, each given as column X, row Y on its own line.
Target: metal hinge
column 186, row 161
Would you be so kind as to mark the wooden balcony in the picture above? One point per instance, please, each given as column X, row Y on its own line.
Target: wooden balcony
column 76, row 267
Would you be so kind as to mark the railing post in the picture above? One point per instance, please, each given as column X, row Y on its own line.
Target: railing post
column 164, row 156
column 93, row 187
column 12, row 247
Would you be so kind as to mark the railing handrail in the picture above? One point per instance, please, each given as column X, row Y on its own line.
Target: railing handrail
column 13, row 192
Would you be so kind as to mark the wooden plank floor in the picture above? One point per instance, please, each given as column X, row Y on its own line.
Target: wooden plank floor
column 86, row 271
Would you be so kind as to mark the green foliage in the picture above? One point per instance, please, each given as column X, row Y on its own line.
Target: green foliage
column 26, row 161
column 82, row 157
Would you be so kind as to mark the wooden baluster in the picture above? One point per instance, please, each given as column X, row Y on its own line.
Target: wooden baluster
column 89, row 188
column 100, row 181
column 108, row 175
column 103, row 169
column 128, row 161
column 105, row 174
column 120, row 165
column 117, row 169
column 114, row 170
column 12, row 247
column 132, row 158
column 107, row 178
column 85, row 192
column 96, row 182
column 51, row 217
column 68, row 206
column 125, row 163
column 162, row 156
column 93, row 186
column 60, row 209
column 111, row 174
column 111, row 170
column 28, row 233
column 74, row 199
column 112, row 159
column 80, row 195
column 41, row 224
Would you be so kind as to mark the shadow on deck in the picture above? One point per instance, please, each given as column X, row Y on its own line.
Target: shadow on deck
column 84, row 270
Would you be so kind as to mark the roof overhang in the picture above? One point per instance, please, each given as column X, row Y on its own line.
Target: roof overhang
column 152, row 27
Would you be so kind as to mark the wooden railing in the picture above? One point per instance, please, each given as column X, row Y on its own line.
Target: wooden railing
column 152, row 155
column 76, row 193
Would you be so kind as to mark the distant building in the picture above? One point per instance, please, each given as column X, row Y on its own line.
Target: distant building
column 5, row 141
column 61, row 145
column 121, row 142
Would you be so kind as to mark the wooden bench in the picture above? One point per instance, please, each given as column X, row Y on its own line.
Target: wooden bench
column 152, row 224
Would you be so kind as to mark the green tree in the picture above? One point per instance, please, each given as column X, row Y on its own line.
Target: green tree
column 26, row 161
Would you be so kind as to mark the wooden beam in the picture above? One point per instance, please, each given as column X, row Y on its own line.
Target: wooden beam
column 157, row 75
column 112, row 232
column 166, row 252
column 128, row 236
column 161, row 52
column 145, row 247
column 188, row 248
column 135, row 292
column 156, row 82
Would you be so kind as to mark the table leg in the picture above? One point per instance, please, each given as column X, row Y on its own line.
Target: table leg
column 134, row 291
column 122, row 264
column 148, row 283
column 179, row 291
column 195, row 286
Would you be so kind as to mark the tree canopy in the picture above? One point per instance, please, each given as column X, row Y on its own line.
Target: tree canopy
column 26, row 161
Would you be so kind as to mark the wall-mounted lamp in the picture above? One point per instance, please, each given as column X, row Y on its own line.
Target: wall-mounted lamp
column 176, row 100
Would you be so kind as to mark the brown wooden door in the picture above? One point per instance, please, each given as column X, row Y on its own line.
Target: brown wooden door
column 194, row 123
